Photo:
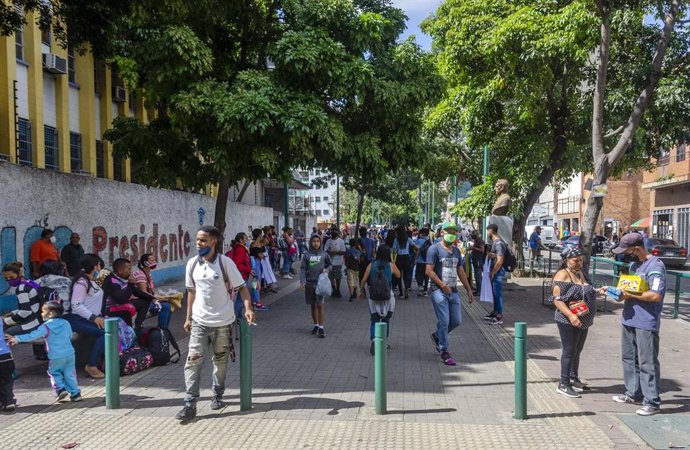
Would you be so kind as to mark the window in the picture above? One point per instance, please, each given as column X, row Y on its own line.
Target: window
column 19, row 42
column 45, row 36
column 100, row 160
column 325, row 199
column 680, row 152
column 71, row 66
column 24, row 143
column 317, row 199
column 52, row 148
column 117, row 169
column 664, row 159
column 132, row 100
column 332, row 182
column 75, row 152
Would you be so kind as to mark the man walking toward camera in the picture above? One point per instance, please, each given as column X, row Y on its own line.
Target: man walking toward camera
column 212, row 280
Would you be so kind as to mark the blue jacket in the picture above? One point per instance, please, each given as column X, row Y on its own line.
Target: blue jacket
column 57, row 333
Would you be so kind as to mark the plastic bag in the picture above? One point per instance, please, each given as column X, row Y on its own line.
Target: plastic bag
column 323, row 286
column 487, row 292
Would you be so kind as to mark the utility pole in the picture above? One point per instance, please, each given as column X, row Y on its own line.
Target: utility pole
column 337, row 201
column 485, row 222
column 287, row 204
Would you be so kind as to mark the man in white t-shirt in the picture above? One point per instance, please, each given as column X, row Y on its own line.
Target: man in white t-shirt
column 335, row 247
column 210, row 316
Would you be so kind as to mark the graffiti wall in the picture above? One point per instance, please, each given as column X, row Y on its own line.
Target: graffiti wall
column 113, row 219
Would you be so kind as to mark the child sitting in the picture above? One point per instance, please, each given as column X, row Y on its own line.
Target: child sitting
column 57, row 333
column 7, row 401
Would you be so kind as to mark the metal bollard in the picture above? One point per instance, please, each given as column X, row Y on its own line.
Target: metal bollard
column 520, row 371
column 380, row 361
column 112, row 364
column 245, row 366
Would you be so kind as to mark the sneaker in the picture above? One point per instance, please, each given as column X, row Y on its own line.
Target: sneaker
column 260, row 307
column 407, row 294
column 648, row 410
column 62, row 395
column 426, row 293
column 489, row 317
column 352, row 297
column 447, row 359
column 290, row 277
column 567, row 390
column 93, row 372
column 371, row 348
column 187, row 413
column 76, row 398
column 217, row 402
column 497, row 320
column 286, row 277
column 579, row 386
column 315, row 329
column 322, row 333
column 625, row 399
column 9, row 407
column 434, row 338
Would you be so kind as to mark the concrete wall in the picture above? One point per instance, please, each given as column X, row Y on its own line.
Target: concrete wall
column 114, row 219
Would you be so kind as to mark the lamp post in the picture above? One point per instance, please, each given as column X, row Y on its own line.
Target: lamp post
column 486, row 175
column 287, row 204
column 337, row 201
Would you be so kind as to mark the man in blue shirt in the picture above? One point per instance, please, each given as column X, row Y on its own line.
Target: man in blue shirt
column 444, row 266
column 641, row 321
column 535, row 244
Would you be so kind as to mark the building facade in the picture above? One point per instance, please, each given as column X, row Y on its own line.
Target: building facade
column 669, row 186
column 322, row 193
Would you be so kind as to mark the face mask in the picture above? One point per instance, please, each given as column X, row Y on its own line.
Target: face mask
column 52, row 239
column 630, row 258
column 151, row 265
column 204, row 251
column 95, row 273
column 450, row 238
column 15, row 282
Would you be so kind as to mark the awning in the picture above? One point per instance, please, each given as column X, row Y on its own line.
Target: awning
column 644, row 222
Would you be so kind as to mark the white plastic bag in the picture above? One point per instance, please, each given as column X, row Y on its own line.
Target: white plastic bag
column 487, row 292
column 323, row 286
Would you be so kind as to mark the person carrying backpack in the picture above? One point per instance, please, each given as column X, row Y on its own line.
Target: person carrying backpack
column 499, row 255
column 444, row 266
column 424, row 243
column 379, row 275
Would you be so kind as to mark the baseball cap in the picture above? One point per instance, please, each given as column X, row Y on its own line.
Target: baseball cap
column 449, row 226
column 627, row 241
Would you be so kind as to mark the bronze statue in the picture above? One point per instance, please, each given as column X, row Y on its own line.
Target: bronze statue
column 503, row 202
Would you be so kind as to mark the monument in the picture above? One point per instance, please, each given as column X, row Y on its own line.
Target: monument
column 499, row 212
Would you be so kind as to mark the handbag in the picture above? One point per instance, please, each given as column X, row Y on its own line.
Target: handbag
column 579, row 308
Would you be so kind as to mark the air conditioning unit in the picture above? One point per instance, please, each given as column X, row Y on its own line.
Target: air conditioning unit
column 119, row 94
column 54, row 64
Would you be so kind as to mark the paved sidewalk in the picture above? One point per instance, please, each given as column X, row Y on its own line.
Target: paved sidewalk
column 318, row 393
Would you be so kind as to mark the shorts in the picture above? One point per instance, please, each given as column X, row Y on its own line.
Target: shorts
column 336, row 273
column 353, row 278
column 310, row 295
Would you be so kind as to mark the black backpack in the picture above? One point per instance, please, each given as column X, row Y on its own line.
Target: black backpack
column 158, row 341
column 379, row 286
column 45, row 294
column 425, row 248
column 350, row 261
column 509, row 261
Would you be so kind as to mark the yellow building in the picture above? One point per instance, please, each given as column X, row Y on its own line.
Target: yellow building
column 55, row 105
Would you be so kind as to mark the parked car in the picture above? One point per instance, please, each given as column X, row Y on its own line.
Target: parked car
column 599, row 243
column 668, row 251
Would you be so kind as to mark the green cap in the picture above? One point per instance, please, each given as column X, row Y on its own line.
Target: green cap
column 449, row 226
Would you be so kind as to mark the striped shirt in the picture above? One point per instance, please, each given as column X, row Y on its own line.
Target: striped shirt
column 27, row 314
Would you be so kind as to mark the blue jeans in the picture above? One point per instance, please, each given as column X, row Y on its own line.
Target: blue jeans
column 63, row 375
column 497, row 284
column 287, row 262
column 83, row 326
column 641, row 370
column 448, row 315
column 163, row 314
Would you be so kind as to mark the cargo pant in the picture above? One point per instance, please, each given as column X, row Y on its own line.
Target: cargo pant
column 219, row 339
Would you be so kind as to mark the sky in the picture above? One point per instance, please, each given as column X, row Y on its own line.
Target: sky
column 417, row 11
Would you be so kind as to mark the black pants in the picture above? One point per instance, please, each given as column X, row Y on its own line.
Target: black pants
column 142, row 307
column 420, row 276
column 405, row 267
column 6, row 383
column 477, row 267
column 573, row 340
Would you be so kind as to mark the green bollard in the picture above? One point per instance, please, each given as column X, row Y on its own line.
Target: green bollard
column 676, row 303
column 112, row 364
column 380, row 361
column 245, row 366
column 520, row 371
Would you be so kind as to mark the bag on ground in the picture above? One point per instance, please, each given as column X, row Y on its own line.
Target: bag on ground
column 487, row 292
column 323, row 286
column 134, row 360
column 161, row 344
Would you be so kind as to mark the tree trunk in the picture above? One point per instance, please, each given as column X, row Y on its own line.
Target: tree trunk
column 221, row 208
column 360, row 207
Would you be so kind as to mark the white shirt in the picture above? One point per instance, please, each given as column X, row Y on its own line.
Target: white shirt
column 213, row 306
column 336, row 245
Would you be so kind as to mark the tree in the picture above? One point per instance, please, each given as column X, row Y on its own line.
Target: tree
column 658, row 73
column 384, row 121
column 238, row 90
column 521, row 80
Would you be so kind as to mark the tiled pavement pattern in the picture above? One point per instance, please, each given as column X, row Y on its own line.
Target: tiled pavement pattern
column 318, row 393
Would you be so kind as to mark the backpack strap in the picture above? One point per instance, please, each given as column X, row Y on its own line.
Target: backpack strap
column 173, row 342
column 191, row 270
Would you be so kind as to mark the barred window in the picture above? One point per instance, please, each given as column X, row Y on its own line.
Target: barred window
column 75, row 152
column 24, row 142
column 100, row 160
column 52, row 148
